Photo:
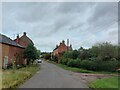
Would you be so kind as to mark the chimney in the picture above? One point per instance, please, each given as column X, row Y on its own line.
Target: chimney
column 70, row 48
column 63, row 41
column 56, row 46
column 17, row 35
column 24, row 33
column 68, row 42
column 60, row 43
column 17, row 39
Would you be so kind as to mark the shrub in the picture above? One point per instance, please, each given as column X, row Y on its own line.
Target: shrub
column 47, row 56
column 71, row 63
column 64, row 60
column 74, row 63
column 86, row 64
column 55, row 58
column 110, row 65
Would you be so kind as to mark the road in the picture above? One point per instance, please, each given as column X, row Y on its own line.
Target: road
column 52, row 76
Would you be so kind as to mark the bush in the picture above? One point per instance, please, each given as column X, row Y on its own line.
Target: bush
column 110, row 65
column 64, row 61
column 55, row 58
column 71, row 63
column 95, row 65
column 86, row 64
column 74, row 63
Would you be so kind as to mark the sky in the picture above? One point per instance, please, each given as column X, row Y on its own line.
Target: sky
column 48, row 23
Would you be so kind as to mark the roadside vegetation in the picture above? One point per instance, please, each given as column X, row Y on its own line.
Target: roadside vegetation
column 31, row 54
column 111, row 82
column 101, row 57
column 0, row 79
column 14, row 77
column 80, row 70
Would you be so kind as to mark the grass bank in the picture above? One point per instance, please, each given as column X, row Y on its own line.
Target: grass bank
column 80, row 70
column 13, row 78
column 0, row 79
column 108, row 83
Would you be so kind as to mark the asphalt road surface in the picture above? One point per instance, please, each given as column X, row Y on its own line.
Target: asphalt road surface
column 52, row 76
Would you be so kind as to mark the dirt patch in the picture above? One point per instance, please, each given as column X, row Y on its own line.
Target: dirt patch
column 87, row 78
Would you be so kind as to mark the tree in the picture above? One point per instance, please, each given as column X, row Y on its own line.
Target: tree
column 75, row 54
column 38, row 54
column 55, row 58
column 105, row 51
column 84, row 54
column 30, row 53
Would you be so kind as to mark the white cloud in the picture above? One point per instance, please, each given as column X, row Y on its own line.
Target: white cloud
column 48, row 23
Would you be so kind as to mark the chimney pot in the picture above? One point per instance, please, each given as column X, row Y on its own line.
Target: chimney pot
column 24, row 33
column 18, row 36
column 63, row 41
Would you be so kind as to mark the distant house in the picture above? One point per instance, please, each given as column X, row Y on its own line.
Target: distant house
column 11, row 51
column 62, row 47
column 23, row 40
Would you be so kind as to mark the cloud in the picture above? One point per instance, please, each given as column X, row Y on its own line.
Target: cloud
column 47, row 23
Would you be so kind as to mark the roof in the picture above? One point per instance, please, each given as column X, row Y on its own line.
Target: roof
column 59, row 46
column 6, row 40
column 26, row 39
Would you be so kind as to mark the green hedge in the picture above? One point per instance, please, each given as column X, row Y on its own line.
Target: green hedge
column 73, row 63
column 95, row 65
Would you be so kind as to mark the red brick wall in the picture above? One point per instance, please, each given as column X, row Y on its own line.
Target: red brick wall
column 11, row 52
column 60, row 49
column 17, row 54
column 5, row 52
column 22, row 43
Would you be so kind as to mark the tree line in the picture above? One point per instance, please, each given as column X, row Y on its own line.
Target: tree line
column 100, row 57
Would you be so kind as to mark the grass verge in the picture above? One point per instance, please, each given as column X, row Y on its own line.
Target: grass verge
column 101, row 84
column 13, row 78
column 80, row 70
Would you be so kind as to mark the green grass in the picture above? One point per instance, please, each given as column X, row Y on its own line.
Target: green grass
column 105, row 83
column 0, row 79
column 13, row 78
column 80, row 70
column 72, row 68
column 75, row 69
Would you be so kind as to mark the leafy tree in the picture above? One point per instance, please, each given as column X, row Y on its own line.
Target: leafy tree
column 75, row 54
column 38, row 54
column 105, row 51
column 30, row 53
column 81, row 49
column 46, row 56
column 84, row 54
column 55, row 58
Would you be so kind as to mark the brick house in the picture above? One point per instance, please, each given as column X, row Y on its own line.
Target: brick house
column 11, row 51
column 24, row 40
column 62, row 47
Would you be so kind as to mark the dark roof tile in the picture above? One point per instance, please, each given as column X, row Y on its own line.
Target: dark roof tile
column 6, row 40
